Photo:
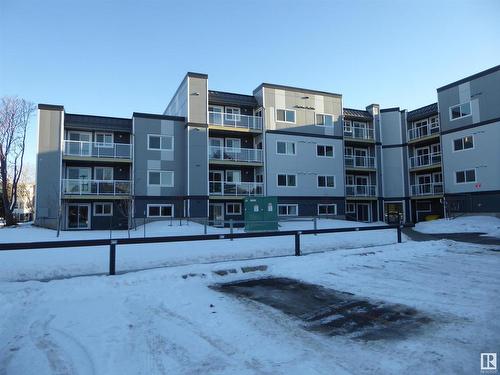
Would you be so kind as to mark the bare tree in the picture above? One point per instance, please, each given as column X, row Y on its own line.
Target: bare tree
column 15, row 115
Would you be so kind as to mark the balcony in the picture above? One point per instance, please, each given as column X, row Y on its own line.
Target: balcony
column 359, row 132
column 435, row 188
column 83, row 149
column 423, row 131
column 235, row 121
column 236, row 188
column 352, row 161
column 81, row 187
column 234, row 154
column 427, row 160
column 360, row 190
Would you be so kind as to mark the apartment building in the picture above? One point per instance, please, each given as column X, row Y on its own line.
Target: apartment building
column 211, row 149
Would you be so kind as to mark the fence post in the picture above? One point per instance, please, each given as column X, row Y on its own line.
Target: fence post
column 399, row 233
column 205, row 226
column 297, row 244
column 315, row 225
column 112, row 257
column 231, row 227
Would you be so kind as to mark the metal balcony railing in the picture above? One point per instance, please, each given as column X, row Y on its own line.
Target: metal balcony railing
column 232, row 120
column 434, row 188
column 96, row 187
column 359, row 132
column 235, row 154
column 98, row 149
column 359, row 161
column 425, row 160
column 423, row 131
column 360, row 190
column 236, row 188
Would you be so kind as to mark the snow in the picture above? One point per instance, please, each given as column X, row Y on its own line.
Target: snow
column 158, row 322
column 466, row 224
column 58, row 263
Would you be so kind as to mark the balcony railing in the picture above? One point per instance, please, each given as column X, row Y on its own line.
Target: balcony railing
column 98, row 149
column 434, row 188
column 235, row 154
column 423, row 131
column 231, row 120
column 359, row 132
column 236, row 188
column 359, row 161
column 426, row 160
column 96, row 187
column 360, row 190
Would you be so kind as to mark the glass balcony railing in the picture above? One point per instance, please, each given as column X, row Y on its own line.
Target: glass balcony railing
column 98, row 149
column 426, row 160
column 236, row 188
column 96, row 187
column 423, row 131
column 359, row 161
column 235, row 154
column 359, row 132
column 434, row 188
column 231, row 120
column 360, row 190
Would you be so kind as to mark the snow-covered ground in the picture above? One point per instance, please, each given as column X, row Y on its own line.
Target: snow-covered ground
column 158, row 322
column 56, row 263
column 467, row 224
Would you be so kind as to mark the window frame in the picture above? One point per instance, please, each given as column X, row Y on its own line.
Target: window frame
column 160, row 171
column 160, row 136
column 325, row 146
column 287, row 110
column 326, row 181
column 230, row 139
column 160, row 205
column 347, row 208
column 286, row 147
column 287, row 205
column 327, row 205
column 102, row 204
column 286, row 177
column 464, row 171
column 233, row 116
column 233, row 213
column 324, row 125
column 104, row 168
column 462, row 139
column 104, row 144
column 459, row 105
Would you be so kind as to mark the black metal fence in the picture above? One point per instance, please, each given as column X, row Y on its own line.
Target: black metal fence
column 204, row 237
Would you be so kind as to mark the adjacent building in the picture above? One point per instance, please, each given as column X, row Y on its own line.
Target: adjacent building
column 211, row 149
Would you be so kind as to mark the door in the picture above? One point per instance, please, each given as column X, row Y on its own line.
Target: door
column 363, row 212
column 362, row 185
column 216, row 148
column 422, row 156
column 78, row 180
column 393, row 213
column 360, row 157
column 216, row 181
column 216, row 214
column 78, row 216
column 424, row 184
column 215, row 114
column 80, row 144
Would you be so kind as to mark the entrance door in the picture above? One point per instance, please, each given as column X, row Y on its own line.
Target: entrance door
column 81, row 144
column 78, row 216
column 78, row 180
column 360, row 155
column 216, row 148
column 424, row 183
column 393, row 212
column 361, row 185
column 363, row 212
column 216, row 182
column 422, row 156
column 216, row 214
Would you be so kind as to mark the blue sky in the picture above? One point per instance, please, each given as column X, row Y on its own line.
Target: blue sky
column 116, row 57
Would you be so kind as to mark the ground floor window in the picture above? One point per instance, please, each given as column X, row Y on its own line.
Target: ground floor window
column 233, row 208
column 160, row 210
column 350, row 208
column 327, row 209
column 103, row 209
column 288, row 209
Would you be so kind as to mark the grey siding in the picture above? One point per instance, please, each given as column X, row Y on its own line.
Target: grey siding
column 393, row 158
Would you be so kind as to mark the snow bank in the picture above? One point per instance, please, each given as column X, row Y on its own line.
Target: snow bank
column 467, row 224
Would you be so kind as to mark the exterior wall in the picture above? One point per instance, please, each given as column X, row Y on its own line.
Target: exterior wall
column 308, row 206
column 305, row 164
column 197, row 98
column 48, row 167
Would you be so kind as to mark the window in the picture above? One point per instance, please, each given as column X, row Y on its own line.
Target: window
column 463, row 143
column 160, row 142
column 161, row 178
column 289, row 180
column 459, row 111
column 327, row 209
column 324, row 120
column 233, row 114
column 104, row 139
column 434, row 122
column 462, row 177
column 233, row 143
column 103, row 209
column 288, row 209
column 285, row 115
column 324, row 150
column 233, row 176
column 347, row 126
column 103, row 173
column 326, row 181
column 233, row 208
column 160, row 210
column 285, row 148
column 350, row 208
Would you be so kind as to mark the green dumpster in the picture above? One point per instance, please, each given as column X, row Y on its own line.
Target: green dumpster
column 261, row 214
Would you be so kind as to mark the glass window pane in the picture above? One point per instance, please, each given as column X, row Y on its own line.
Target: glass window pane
column 154, row 178
column 460, row 176
column 329, row 150
column 468, row 142
column 465, row 109
column 457, row 144
column 281, row 147
column 470, row 175
column 291, row 148
column 330, row 181
column 281, row 180
column 107, row 208
column 328, row 120
column 280, row 115
column 290, row 116
column 154, row 211
column 292, row 210
column 154, row 142
column 320, row 151
column 291, row 180
column 320, row 120
column 455, row 112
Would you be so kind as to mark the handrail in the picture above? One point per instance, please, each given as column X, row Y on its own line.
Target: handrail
column 423, row 131
column 361, row 190
column 358, row 132
column 425, row 160
column 96, row 187
column 359, row 161
column 97, row 149
column 235, row 154
column 236, row 188
column 432, row 188
column 233, row 120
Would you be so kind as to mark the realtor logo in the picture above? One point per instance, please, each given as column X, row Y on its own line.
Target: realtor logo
column 489, row 362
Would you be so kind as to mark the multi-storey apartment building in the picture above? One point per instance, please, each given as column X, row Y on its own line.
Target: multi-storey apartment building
column 210, row 149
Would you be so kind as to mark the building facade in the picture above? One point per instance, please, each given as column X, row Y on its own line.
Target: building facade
column 211, row 149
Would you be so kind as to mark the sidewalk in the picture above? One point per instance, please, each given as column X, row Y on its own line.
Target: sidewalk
column 475, row 238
